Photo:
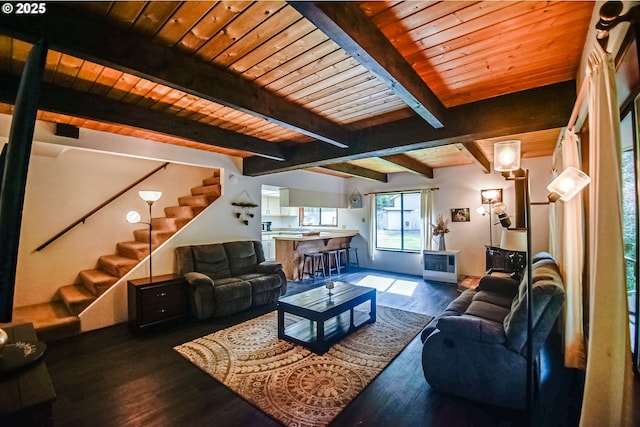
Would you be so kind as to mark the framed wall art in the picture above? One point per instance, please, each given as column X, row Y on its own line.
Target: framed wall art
column 460, row 215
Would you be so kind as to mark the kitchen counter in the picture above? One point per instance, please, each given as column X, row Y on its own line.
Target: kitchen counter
column 303, row 237
column 290, row 249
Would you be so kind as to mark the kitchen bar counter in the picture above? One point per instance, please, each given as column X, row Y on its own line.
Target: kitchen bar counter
column 290, row 249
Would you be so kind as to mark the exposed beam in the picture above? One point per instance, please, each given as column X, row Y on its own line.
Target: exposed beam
column 347, row 25
column 473, row 151
column 531, row 110
column 410, row 164
column 87, row 38
column 357, row 171
column 88, row 106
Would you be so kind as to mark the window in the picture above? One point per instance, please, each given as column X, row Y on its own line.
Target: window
column 629, row 224
column 398, row 221
column 322, row 217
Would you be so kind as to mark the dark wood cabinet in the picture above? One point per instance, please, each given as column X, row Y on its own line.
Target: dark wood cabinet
column 156, row 302
column 504, row 261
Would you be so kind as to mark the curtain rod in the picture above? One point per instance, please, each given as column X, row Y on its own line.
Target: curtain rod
column 402, row 191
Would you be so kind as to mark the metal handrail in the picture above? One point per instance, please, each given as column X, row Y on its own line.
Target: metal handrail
column 96, row 209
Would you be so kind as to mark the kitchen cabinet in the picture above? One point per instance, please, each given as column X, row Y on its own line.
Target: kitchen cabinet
column 270, row 206
column 289, row 211
column 269, row 248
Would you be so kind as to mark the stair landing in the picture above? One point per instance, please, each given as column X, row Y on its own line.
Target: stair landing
column 52, row 321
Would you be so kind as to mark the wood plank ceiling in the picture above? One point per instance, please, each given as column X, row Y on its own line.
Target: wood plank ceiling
column 366, row 88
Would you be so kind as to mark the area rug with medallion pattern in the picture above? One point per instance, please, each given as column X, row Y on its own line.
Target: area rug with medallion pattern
column 292, row 384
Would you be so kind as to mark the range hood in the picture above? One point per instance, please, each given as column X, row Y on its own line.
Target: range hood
column 311, row 199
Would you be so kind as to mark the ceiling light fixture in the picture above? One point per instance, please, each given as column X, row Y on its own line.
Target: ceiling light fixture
column 506, row 156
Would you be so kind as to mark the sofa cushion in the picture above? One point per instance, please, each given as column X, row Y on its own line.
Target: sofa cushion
column 460, row 304
column 515, row 323
column 498, row 299
column 232, row 291
column 226, row 281
column 211, row 260
column 473, row 328
column 486, row 310
column 242, row 257
column 264, row 283
column 502, row 285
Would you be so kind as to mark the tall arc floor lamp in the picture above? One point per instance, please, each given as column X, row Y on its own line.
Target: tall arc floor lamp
column 133, row 217
column 564, row 187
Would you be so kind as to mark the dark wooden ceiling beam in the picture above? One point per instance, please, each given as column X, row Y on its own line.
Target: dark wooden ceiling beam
column 347, row 25
column 473, row 151
column 93, row 107
column 528, row 111
column 86, row 38
column 409, row 164
column 357, row 171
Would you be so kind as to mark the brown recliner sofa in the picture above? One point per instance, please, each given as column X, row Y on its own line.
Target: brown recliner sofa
column 225, row 278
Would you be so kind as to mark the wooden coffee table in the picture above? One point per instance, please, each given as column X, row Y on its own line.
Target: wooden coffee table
column 325, row 319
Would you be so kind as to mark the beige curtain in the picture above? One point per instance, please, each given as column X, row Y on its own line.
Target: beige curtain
column 571, row 261
column 426, row 212
column 608, row 378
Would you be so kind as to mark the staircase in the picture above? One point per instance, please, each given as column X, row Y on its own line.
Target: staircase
column 59, row 318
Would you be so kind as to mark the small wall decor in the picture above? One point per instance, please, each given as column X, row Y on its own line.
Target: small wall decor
column 244, row 208
column 460, row 215
column 355, row 200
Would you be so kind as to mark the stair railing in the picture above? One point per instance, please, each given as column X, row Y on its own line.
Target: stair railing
column 82, row 219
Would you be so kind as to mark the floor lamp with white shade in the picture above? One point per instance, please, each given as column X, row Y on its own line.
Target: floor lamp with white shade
column 133, row 217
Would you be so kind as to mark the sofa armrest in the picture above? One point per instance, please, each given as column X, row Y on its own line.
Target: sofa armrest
column 198, row 279
column 501, row 285
column 473, row 328
column 268, row 267
column 201, row 298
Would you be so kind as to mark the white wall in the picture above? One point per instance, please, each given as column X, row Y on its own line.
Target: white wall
column 459, row 188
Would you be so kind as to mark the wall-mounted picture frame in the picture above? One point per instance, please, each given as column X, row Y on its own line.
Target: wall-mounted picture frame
column 460, row 215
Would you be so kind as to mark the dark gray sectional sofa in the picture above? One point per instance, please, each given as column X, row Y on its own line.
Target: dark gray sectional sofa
column 225, row 278
column 477, row 347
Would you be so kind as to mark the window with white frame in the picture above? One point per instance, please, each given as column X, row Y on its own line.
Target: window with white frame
column 398, row 221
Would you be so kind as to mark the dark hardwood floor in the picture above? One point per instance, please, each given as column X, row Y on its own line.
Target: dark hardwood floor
column 112, row 377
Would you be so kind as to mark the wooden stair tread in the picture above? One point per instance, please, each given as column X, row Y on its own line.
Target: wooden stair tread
column 211, row 190
column 51, row 320
column 212, row 180
column 117, row 265
column 133, row 249
column 179, row 212
column 97, row 280
column 76, row 298
column 157, row 236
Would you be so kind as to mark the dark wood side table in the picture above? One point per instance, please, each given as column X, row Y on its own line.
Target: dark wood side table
column 156, row 302
column 27, row 393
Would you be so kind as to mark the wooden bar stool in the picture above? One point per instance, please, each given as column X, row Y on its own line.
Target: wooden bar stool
column 354, row 251
column 317, row 264
column 343, row 258
column 332, row 259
